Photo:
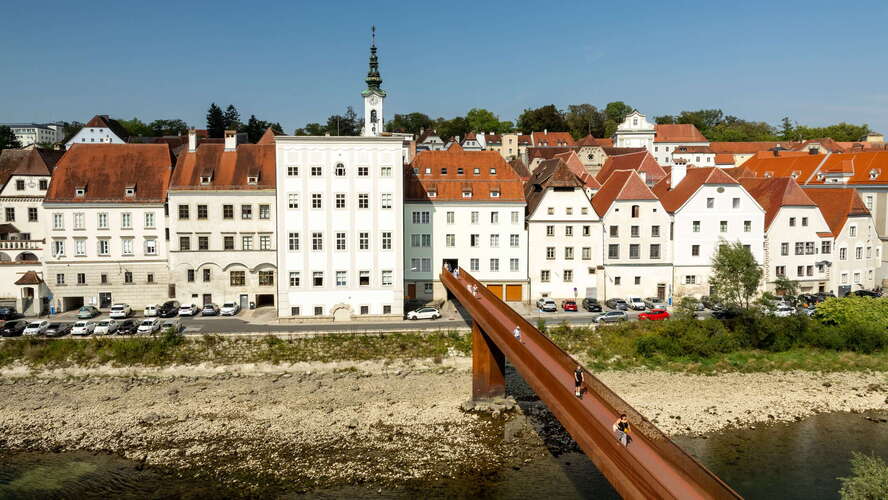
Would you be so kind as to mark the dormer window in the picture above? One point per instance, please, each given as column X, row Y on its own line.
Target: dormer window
column 428, row 171
column 444, row 171
column 476, row 171
column 80, row 192
column 253, row 179
column 433, row 193
column 820, row 177
column 494, row 193
column 129, row 191
column 205, row 179
column 492, row 171
column 466, row 194
column 459, row 171
column 874, row 174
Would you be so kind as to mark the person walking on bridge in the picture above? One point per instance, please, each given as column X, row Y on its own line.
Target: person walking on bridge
column 517, row 333
column 578, row 381
column 621, row 430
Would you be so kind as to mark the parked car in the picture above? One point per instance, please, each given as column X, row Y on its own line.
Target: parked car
column 169, row 309
column 127, row 327
column 783, row 310
column 120, row 311
column 654, row 303
column 174, row 324
column 635, row 303
column 150, row 311
column 13, row 328
column 808, row 299
column 617, row 304
column 569, row 305
column 229, row 309
column 83, row 328
column 725, row 313
column 149, row 325
column 546, row 305
column 654, row 315
column 612, row 317
column 188, row 310
column 8, row 313
column 57, row 330
column 591, row 305
column 36, row 328
column 106, row 327
column 87, row 312
column 710, row 303
column 210, row 310
column 424, row 313
column 865, row 293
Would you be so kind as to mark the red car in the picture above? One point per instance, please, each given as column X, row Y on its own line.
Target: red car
column 569, row 305
column 654, row 315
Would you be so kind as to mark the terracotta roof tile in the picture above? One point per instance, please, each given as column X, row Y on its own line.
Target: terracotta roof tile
column 228, row 170
column 622, row 185
column 107, row 169
column 673, row 199
column 774, row 193
column 592, row 141
column 450, row 186
column 552, row 139
column 836, row 205
column 801, row 166
column 27, row 162
column 549, row 174
column 737, row 148
column 520, row 168
column 724, row 159
column 106, row 121
column 683, row 132
column 641, row 161
column 572, row 160
column 29, row 278
column 547, row 153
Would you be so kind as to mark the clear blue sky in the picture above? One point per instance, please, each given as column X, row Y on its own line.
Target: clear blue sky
column 294, row 62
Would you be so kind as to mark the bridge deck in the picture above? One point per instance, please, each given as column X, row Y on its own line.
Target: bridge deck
column 651, row 467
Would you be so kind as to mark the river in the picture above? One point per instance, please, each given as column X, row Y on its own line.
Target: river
column 800, row 460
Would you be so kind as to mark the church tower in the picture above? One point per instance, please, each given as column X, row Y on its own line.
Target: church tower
column 373, row 96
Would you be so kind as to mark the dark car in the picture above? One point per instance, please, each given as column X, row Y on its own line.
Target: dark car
column 569, row 305
column 169, row 309
column 725, row 313
column 209, row 310
column 127, row 327
column 57, row 330
column 591, row 305
column 13, row 328
column 617, row 304
column 8, row 313
column 864, row 293
column 808, row 299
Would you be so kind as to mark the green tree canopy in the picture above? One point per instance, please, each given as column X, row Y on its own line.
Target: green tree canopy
column 168, row 127
column 411, row 123
column 542, row 118
column 584, row 119
column 231, row 118
column 136, row 127
column 482, row 120
column 735, row 274
column 8, row 140
column 614, row 114
column 344, row 124
column 254, row 128
column 455, row 127
column 215, row 122
column 786, row 286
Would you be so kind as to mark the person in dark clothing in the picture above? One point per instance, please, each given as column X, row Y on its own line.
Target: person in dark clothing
column 621, row 430
column 578, row 380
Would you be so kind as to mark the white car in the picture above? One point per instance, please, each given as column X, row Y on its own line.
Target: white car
column 106, row 327
column 547, row 305
column 784, row 311
column 173, row 323
column 83, row 328
column 229, row 309
column 636, row 303
column 188, row 310
column 120, row 311
column 424, row 313
column 150, row 311
column 150, row 325
column 36, row 328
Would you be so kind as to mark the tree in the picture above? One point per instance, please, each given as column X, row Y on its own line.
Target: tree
column 614, row 114
column 136, row 127
column 787, row 130
column 482, row 120
column 842, row 132
column 231, row 118
column 542, row 118
column 69, row 129
column 869, row 480
column 786, row 286
column 584, row 119
column 455, row 127
column 735, row 274
column 255, row 128
column 311, row 129
column 8, row 140
column 664, row 120
column 215, row 122
column 412, row 123
column 346, row 124
column 168, row 127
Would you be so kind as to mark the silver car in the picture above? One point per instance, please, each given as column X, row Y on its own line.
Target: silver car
column 612, row 317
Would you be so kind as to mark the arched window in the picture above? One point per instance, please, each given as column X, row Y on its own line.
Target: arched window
column 340, row 170
column 373, row 116
column 635, row 210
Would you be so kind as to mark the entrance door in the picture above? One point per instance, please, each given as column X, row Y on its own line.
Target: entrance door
column 244, row 301
column 661, row 291
column 207, row 298
column 497, row 290
column 411, row 291
column 453, row 263
column 513, row 293
column 104, row 300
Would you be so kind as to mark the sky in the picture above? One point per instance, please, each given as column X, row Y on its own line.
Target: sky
column 296, row 62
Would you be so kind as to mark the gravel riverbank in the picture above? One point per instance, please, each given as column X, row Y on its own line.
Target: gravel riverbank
column 315, row 425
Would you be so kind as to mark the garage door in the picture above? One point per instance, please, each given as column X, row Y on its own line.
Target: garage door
column 513, row 293
column 497, row 290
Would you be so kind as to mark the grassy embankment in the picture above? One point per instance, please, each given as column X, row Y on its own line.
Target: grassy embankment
column 746, row 344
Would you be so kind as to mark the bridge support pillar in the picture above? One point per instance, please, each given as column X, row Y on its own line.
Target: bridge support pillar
column 488, row 366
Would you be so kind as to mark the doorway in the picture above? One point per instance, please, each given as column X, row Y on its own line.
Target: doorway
column 411, row 291
column 661, row 291
column 207, row 298
column 104, row 300
column 244, row 301
column 452, row 263
column 264, row 299
column 71, row 303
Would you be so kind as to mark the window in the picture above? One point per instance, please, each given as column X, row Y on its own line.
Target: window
column 568, row 275
column 386, row 240
column 79, row 220
column 316, row 200
column 103, row 220
column 421, row 217
column 852, row 231
column 858, row 253
column 635, row 211
column 494, row 241
column 317, row 241
column 809, row 248
column 568, row 231
column 363, row 171
column 804, row 221
column 613, row 251
column 710, row 202
column 293, row 200
column 387, row 278
column 451, row 216
column 80, row 248
column 695, row 226
column 825, row 247
column 450, row 240
column 364, row 241
column 856, row 277
column 319, row 310
column 587, row 253
column 386, row 200
column 207, row 275
column 634, row 251
column 568, row 253
column 617, row 280
column 494, row 217
column 800, row 248
column 695, row 250
column 81, row 278
column 614, row 231
column 363, row 200
column 227, row 211
column 265, row 211
column 690, row 279
column 655, row 251
column 844, row 278
column 44, row 185
column 340, row 241
column 126, row 246
column 473, row 240
column 265, row 242
column 183, row 212
column 723, row 226
column 203, row 242
column 633, row 231
column 58, row 220
column 494, row 265
column 339, row 170
column 515, row 217
column 341, row 278
column 266, row 278
column 735, row 202
column 246, row 211
column 32, row 214
column 544, row 276
column 843, row 254
column 316, row 171
column 292, row 171
column 474, row 264
column 385, row 172
column 800, row 270
column 514, row 240
column 295, row 279
column 747, row 226
column 792, row 222
column 60, row 279
column 513, row 265
column 550, row 211
column 784, row 248
column 550, row 230
column 474, row 217
column 246, row 242
column 149, row 220
column 202, row 211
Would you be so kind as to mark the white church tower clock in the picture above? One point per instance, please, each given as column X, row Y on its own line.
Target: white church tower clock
column 373, row 96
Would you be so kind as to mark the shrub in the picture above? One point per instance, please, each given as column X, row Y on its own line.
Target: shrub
column 869, row 480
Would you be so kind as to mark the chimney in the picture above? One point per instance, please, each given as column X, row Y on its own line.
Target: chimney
column 192, row 140
column 678, row 173
column 230, row 140
column 545, row 131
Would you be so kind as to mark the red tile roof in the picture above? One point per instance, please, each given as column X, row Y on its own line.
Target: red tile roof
column 107, row 169
column 592, row 141
column 866, row 168
column 573, row 162
column 767, row 165
column 612, row 151
column 724, row 159
column 550, row 173
column 29, row 278
column 692, row 150
column 450, row 186
column 547, row 153
column 738, row 148
column 520, row 168
column 774, row 193
column 552, row 139
column 826, row 143
column 642, row 162
column 27, row 162
column 836, row 205
column 228, row 170
column 622, row 185
column 105, row 121
column 673, row 199
column 493, row 139
column 683, row 132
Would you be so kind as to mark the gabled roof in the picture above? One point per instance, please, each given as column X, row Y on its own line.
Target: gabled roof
column 454, row 146
column 572, row 160
column 623, row 185
column 738, row 148
column 679, row 132
column 774, row 193
column 520, row 168
column 592, row 141
column 493, row 139
column 826, row 143
column 547, row 153
column 268, row 137
column 227, row 170
column 451, row 185
column 549, row 139
column 738, row 172
column 642, row 162
column 673, row 199
column 868, row 167
column 836, row 205
column 105, row 121
column 105, row 170
column 29, row 278
column 801, row 166
column 426, row 134
column 27, row 162
column 549, row 174
column 724, row 159
column 612, row 151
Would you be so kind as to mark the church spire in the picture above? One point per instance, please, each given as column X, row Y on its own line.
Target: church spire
column 373, row 78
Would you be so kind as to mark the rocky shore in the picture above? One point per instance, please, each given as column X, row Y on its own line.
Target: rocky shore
column 317, row 425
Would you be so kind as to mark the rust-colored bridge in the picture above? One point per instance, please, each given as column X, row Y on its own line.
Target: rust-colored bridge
column 652, row 466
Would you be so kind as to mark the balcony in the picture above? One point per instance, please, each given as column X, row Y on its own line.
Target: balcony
column 22, row 244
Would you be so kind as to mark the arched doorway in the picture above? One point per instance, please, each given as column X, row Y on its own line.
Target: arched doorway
column 26, row 257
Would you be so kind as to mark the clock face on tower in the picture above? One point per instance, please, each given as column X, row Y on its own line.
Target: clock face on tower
column 373, row 99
